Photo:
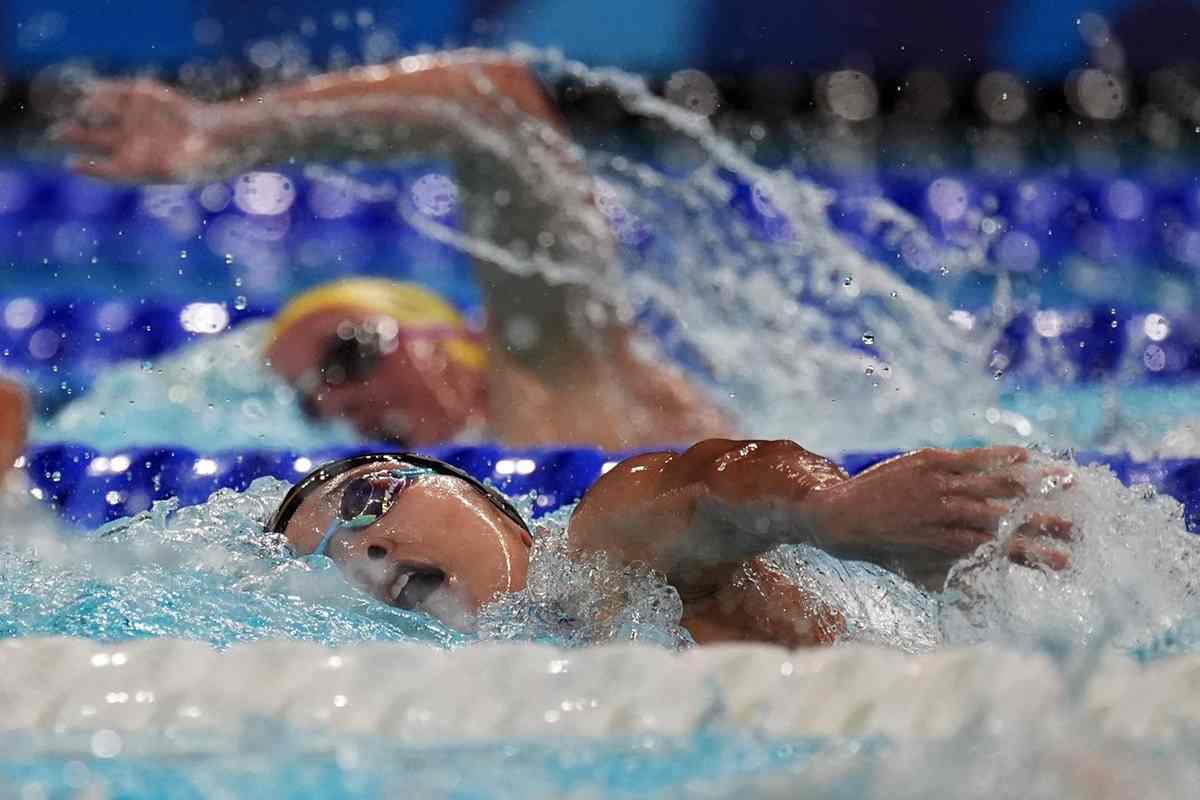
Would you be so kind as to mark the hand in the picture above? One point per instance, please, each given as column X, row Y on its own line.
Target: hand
column 138, row 130
column 14, row 414
column 920, row 513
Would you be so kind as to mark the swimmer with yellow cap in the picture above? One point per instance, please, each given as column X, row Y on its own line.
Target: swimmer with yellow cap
column 556, row 361
column 393, row 358
column 401, row 364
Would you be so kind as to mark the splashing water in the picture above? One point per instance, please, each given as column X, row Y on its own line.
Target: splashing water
column 768, row 302
column 1131, row 582
column 735, row 267
column 215, row 390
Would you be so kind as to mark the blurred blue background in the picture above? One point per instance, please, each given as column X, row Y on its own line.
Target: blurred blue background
column 1033, row 37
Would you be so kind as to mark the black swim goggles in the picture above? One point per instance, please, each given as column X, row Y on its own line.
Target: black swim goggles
column 366, row 498
column 349, row 357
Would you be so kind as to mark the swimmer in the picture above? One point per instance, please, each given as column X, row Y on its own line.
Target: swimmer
column 558, row 360
column 418, row 534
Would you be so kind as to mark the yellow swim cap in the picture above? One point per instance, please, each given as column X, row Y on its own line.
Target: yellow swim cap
column 412, row 306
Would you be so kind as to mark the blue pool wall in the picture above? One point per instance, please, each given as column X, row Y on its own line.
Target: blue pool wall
column 90, row 488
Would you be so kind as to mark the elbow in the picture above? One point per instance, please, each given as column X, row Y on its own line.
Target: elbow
column 516, row 80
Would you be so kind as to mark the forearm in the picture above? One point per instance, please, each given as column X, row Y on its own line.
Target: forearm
column 699, row 516
column 409, row 102
column 543, row 251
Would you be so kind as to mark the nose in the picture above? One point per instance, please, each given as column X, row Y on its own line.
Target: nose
column 377, row 548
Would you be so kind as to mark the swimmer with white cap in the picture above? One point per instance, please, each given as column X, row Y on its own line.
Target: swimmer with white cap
column 418, row 534
column 558, row 360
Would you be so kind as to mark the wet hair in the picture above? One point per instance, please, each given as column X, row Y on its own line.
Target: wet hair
column 320, row 476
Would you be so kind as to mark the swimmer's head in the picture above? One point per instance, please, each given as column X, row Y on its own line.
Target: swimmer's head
column 392, row 358
column 414, row 532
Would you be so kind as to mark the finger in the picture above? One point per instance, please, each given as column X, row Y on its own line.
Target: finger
column 1047, row 525
column 983, row 459
column 96, row 140
column 1032, row 553
column 977, row 515
column 1005, row 485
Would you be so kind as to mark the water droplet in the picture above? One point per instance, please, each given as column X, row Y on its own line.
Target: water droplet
column 895, row 294
column 239, row 302
column 183, row 253
column 943, row 270
column 229, row 258
column 868, row 338
column 998, row 374
column 237, row 282
column 147, row 366
column 55, row 476
column 870, row 371
column 849, row 281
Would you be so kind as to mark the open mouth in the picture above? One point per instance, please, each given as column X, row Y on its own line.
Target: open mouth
column 414, row 586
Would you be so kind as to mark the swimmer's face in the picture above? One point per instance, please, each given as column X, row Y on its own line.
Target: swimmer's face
column 439, row 547
column 388, row 382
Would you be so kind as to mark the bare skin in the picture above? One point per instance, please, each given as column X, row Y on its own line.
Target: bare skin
column 14, row 415
column 439, row 524
column 415, row 394
column 561, row 362
column 705, row 519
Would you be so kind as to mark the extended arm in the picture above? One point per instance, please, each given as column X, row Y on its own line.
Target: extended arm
column 704, row 517
column 528, row 202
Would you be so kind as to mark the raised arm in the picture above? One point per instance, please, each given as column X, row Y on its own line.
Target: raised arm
column 704, row 517
column 527, row 199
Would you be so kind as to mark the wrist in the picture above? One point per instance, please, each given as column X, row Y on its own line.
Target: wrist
column 222, row 137
column 831, row 513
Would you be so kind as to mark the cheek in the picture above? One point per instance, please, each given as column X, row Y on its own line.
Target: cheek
column 492, row 566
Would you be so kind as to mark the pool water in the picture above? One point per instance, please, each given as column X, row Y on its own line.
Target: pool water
column 207, row 661
column 171, row 648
